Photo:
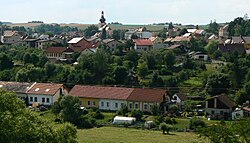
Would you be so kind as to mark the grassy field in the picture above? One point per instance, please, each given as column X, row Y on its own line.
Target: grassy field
column 83, row 26
column 126, row 135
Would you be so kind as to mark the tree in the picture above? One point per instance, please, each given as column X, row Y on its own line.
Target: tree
column 90, row 30
column 169, row 58
column 123, row 110
column 211, row 47
column 19, row 124
column 138, row 114
column 142, row 69
column 165, row 128
column 116, row 34
column 155, row 110
column 235, row 132
column 120, row 74
column 213, row 27
column 5, row 62
column 156, row 81
column 218, row 83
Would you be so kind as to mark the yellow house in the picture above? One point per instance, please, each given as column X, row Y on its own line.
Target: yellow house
column 89, row 102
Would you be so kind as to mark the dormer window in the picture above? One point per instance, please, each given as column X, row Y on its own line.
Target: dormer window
column 47, row 90
column 37, row 89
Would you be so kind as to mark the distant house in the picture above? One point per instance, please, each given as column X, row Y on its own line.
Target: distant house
column 220, row 107
column 11, row 37
column 223, row 32
column 240, row 113
column 231, row 48
column 239, row 40
column 19, row 88
column 29, row 42
column 143, row 99
column 43, row 44
column 59, row 53
column 104, row 98
column 182, row 48
column 179, row 99
column 112, row 44
column 141, row 33
column 213, row 37
column 158, row 43
column 45, row 93
column 142, row 45
column 199, row 56
column 113, row 98
column 80, row 44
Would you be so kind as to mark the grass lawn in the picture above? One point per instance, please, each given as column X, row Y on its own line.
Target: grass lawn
column 127, row 135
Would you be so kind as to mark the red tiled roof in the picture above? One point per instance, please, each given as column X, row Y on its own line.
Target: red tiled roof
column 147, row 95
column 44, row 88
column 9, row 33
column 101, row 92
column 55, row 50
column 143, row 42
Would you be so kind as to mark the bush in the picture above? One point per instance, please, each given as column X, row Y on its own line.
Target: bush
column 168, row 120
column 123, row 110
column 97, row 115
column 158, row 120
column 138, row 114
column 196, row 123
column 165, row 127
column 85, row 122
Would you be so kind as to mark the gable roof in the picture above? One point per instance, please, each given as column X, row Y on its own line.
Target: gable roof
column 226, row 100
column 18, row 87
column 232, row 47
column 101, row 92
column 75, row 40
column 147, row 95
column 143, row 42
column 44, row 88
column 9, row 33
column 182, row 96
column 55, row 50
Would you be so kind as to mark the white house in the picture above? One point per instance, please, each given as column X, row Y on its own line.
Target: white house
column 19, row 88
column 179, row 99
column 45, row 93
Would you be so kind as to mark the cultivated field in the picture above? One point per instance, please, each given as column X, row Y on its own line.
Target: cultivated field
column 83, row 26
column 127, row 135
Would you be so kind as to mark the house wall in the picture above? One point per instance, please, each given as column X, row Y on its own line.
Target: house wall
column 160, row 45
column 217, row 111
column 143, row 106
column 13, row 39
column 21, row 95
column 81, row 43
column 56, row 56
column 109, row 104
column 113, row 45
column 144, row 35
column 32, row 97
column 142, row 48
column 93, row 102
column 237, row 114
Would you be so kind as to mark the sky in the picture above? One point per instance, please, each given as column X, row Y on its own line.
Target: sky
column 123, row 11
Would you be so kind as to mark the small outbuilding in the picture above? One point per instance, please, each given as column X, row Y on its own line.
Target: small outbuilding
column 123, row 120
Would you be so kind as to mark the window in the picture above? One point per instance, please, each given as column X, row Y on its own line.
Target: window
column 31, row 99
column 150, row 106
column 130, row 105
column 136, row 105
column 43, row 99
column 116, row 105
column 94, row 103
column 107, row 104
column 47, row 100
column 35, row 99
column 212, row 112
column 221, row 112
column 122, row 104
column 88, row 103
column 145, row 107
column 102, row 104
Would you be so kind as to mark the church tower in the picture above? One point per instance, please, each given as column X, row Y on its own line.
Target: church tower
column 103, row 27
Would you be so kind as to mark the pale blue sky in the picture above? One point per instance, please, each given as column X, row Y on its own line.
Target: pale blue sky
column 124, row 11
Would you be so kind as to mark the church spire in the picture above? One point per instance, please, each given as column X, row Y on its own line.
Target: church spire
column 102, row 19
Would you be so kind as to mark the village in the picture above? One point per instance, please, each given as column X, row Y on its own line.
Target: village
column 131, row 78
